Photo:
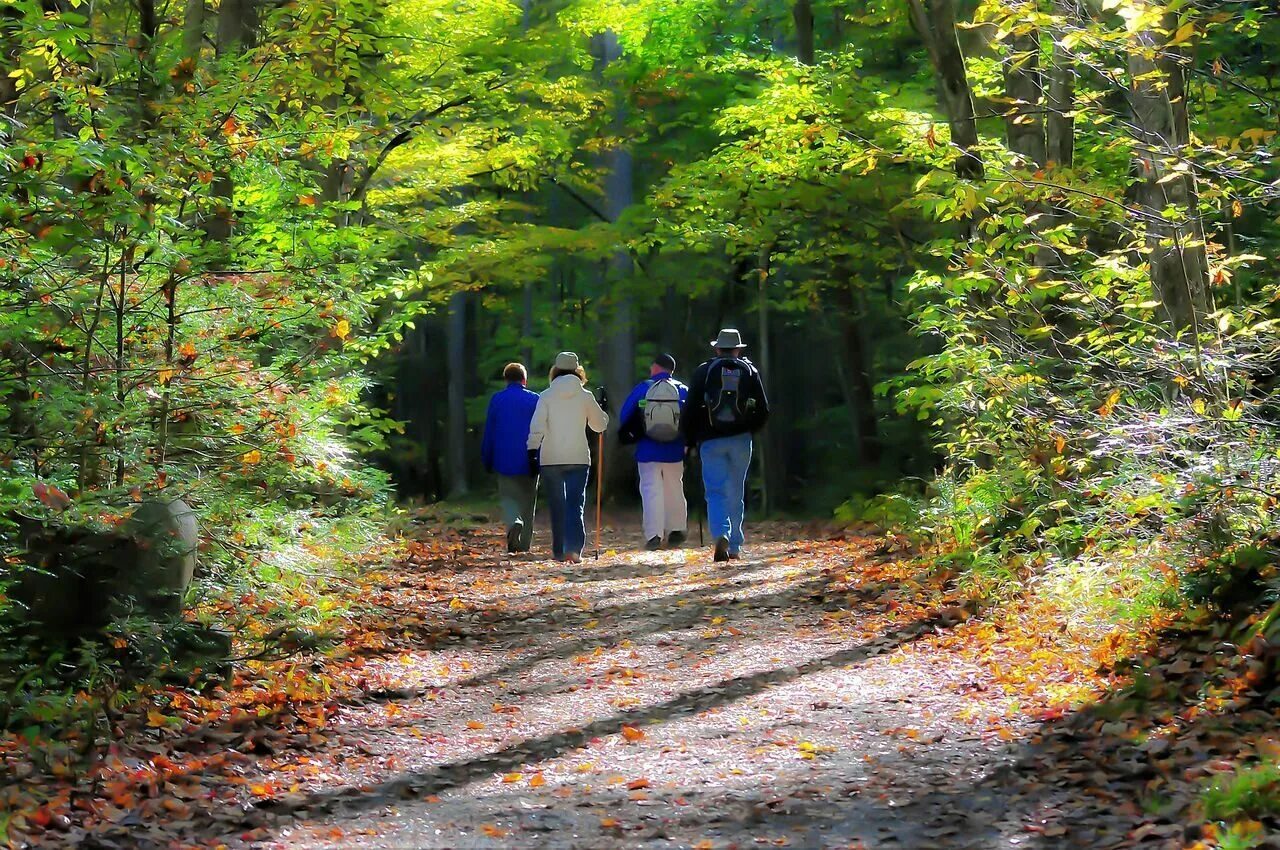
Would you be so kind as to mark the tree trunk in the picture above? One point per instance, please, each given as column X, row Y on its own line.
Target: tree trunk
column 1024, row 128
column 236, row 26
column 456, row 341
column 1175, row 245
column 193, row 31
column 764, row 451
column 1060, row 125
column 619, row 345
column 802, row 12
column 935, row 21
column 861, row 384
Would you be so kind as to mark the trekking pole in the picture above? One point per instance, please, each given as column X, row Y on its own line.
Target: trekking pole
column 599, row 486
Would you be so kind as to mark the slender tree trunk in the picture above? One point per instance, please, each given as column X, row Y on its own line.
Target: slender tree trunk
column 935, row 21
column 456, row 341
column 236, row 26
column 1175, row 244
column 1060, row 100
column 763, row 449
column 620, row 346
column 802, row 12
column 193, row 31
column 1024, row 127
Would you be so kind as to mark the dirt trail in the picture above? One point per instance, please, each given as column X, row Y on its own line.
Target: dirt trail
column 660, row 700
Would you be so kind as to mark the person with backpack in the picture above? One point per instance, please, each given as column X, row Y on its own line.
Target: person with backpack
column 727, row 404
column 502, row 450
column 651, row 419
column 558, row 446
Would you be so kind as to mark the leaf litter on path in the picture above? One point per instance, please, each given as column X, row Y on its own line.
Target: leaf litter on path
column 821, row 693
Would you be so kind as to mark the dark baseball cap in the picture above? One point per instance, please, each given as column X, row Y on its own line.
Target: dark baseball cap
column 666, row 362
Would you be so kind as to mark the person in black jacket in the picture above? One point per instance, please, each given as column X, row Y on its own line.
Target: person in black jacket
column 727, row 404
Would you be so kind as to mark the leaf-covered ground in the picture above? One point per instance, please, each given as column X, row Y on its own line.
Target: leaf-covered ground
column 819, row 693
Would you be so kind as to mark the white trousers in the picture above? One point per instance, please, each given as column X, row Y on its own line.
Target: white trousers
column 662, row 492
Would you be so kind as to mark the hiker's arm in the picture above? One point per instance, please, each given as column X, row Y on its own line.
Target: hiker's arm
column 487, row 447
column 628, row 432
column 538, row 427
column 596, row 417
column 762, row 403
column 693, row 409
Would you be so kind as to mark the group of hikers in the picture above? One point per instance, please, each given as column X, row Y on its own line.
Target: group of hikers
column 531, row 437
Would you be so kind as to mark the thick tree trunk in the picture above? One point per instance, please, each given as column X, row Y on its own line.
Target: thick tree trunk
column 1022, row 87
column 1175, row 243
column 193, row 31
column 802, row 12
column 456, row 359
column 236, row 28
column 1060, row 100
column 935, row 21
column 618, row 349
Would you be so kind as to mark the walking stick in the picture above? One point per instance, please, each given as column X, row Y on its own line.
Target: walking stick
column 599, row 486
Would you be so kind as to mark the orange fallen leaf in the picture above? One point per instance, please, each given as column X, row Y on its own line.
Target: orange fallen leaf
column 492, row 831
column 537, row 781
column 631, row 733
column 474, row 724
column 609, row 823
column 637, row 784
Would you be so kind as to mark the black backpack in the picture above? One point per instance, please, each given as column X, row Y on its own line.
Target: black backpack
column 730, row 395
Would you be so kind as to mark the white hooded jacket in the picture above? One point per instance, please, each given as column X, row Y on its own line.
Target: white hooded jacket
column 560, row 422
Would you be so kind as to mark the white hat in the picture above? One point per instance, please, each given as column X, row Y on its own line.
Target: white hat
column 728, row 338
column 567, row 361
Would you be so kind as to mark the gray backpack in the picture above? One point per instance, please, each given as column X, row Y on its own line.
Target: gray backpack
column 662, row 411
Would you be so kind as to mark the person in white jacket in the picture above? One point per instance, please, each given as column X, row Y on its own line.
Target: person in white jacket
column 558, row 445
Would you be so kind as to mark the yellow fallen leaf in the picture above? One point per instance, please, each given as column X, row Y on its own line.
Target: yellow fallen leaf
column 512, row 777
column 457, row 604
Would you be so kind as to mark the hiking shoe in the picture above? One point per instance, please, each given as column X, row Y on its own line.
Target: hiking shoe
column 722, row 549
column 654, row 544
column 675, row 539
column 733, row 556
column 513, row 538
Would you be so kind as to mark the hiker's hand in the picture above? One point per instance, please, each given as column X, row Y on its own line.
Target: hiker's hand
column 534, row 465
column 602, row 398
column 690, row 453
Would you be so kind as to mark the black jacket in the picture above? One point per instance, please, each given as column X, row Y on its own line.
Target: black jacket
column 696, row 422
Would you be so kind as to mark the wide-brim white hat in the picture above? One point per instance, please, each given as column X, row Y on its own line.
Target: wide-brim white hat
column 728, row 338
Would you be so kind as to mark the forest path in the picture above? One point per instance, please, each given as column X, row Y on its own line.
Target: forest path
column 798, row 697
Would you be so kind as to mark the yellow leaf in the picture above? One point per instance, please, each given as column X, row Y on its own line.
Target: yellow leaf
column 1184, row 33
column 251, row 457
column 512, row 777
column 342, row 329
column 457, row 604
column 156, row 720
column 1237, row 209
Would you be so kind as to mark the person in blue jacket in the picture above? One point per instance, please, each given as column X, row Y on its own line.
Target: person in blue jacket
column 651, row 419
column 506, row 431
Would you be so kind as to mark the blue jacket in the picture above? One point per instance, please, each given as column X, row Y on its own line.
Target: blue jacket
column 647, row 450
column 506, row 431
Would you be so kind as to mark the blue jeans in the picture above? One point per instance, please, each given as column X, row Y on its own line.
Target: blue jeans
column 725, row 461
column 567, row 494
